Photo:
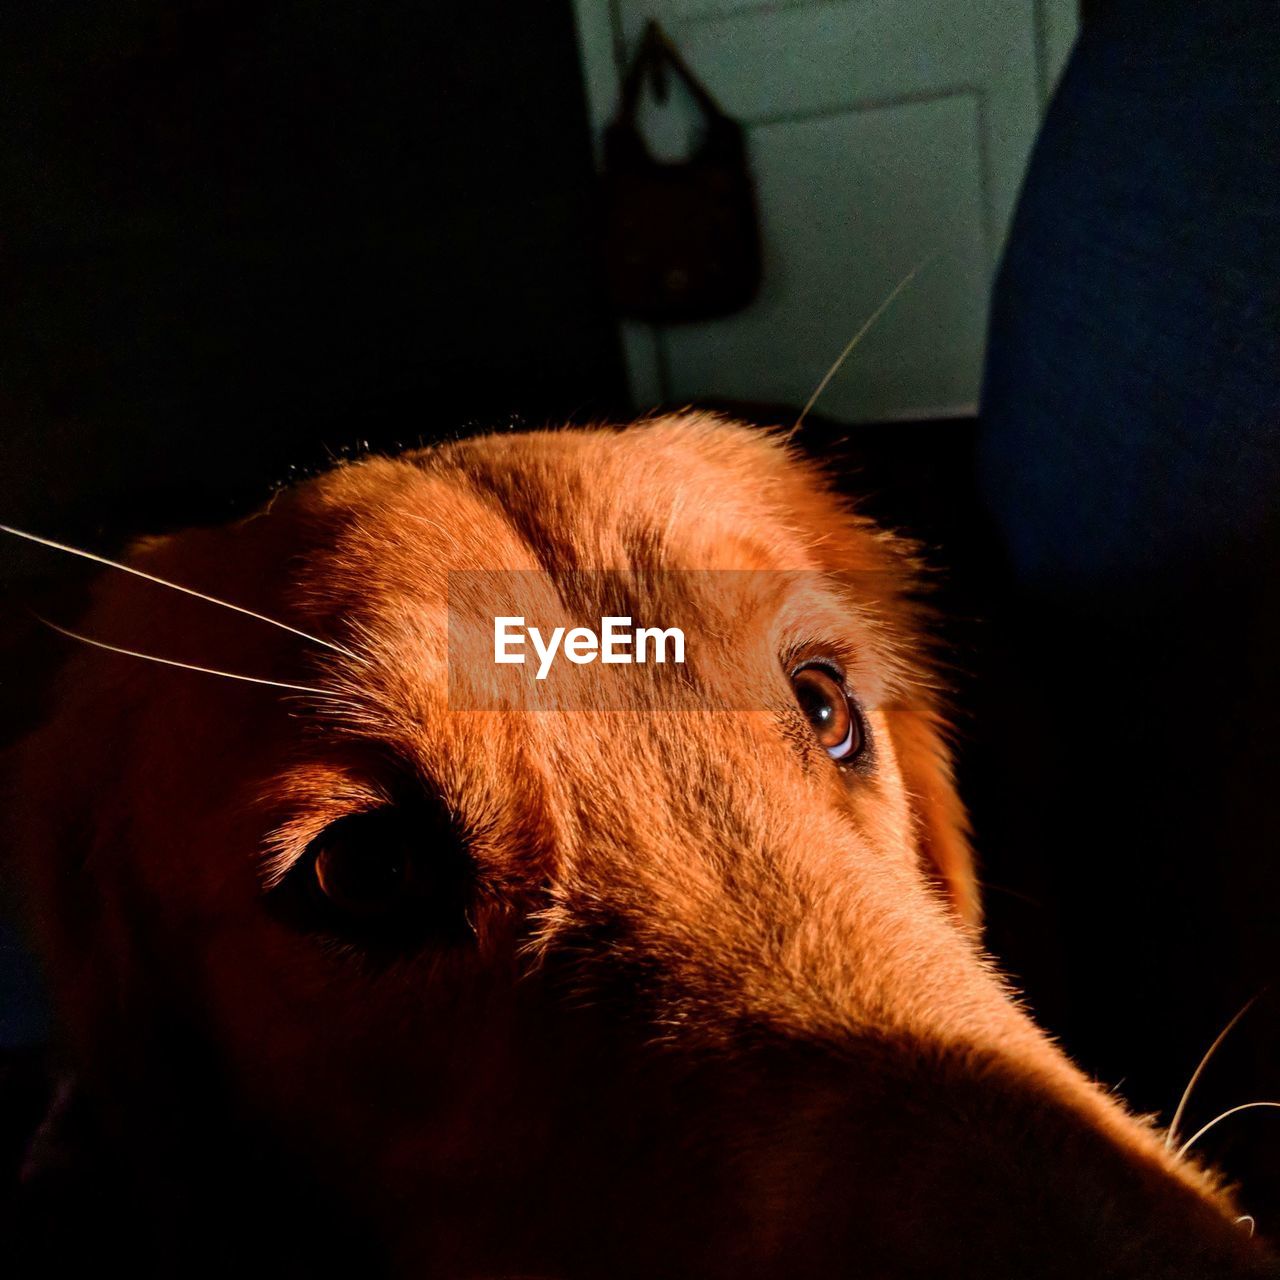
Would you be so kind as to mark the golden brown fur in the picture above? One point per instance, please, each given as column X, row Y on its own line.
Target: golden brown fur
column 716, row 1008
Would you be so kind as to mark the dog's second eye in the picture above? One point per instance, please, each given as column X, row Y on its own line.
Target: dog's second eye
column 388, row 878
column 363, row 865
column 836, row 722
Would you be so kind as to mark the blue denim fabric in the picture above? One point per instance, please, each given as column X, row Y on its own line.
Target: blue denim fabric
column 1131, row 408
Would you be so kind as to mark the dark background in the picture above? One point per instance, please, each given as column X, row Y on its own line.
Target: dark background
column 237, row 239
column 237, row 234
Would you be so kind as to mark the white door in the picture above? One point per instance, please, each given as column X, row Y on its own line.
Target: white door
column 883, row 134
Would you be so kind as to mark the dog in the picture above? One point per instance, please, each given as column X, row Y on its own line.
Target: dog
column 356, row 950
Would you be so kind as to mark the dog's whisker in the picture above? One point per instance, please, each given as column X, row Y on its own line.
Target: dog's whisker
column 1172, row 1135
column 1016, row 894
column 173, row 586
column 173, row 662
column 1251, row 1220
column 1231, row 1111
column 857, row 338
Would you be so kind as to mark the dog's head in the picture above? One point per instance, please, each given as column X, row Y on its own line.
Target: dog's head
column 688, row 984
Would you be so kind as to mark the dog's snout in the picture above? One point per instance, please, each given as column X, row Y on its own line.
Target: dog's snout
column 939, row 1162
column 878, row 1108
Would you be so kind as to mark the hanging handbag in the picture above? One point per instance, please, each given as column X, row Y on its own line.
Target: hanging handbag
column 682, row 239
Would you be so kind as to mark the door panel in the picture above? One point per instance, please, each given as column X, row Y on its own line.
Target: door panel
column 835, row 250
column 883, row 133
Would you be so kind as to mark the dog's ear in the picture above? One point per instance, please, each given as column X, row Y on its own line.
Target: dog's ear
column 920, row 739
column 885, row 571
column 75, row 786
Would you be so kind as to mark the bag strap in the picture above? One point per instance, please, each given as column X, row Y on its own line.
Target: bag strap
column 655, row 54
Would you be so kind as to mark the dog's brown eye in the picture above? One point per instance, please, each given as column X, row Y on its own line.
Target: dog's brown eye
column 835, row 720
column 387, row 880
column 363, row 865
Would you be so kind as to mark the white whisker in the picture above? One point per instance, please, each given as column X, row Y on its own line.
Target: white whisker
column 171, row 662
column 1199, row 1133
column 1172, row 1135
column 1251, row 1220
column 174, row 586
column 857, row 338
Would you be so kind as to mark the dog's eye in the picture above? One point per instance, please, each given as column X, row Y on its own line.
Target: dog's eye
column 389, row 877
column 363, row 865
column 836, row 722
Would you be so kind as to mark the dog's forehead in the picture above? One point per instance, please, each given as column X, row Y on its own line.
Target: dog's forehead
column 684, row 496
column 673, row 494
